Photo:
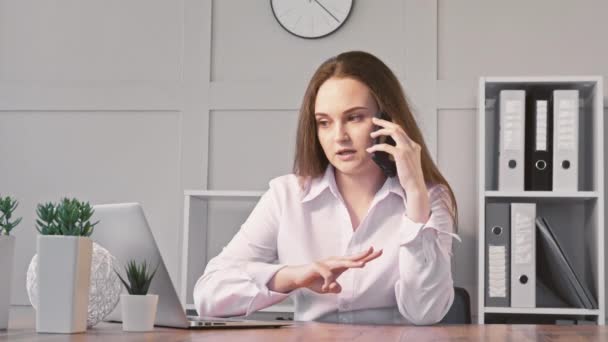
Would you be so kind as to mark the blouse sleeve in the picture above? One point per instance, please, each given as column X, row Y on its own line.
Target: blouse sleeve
column 425, row 289
column 234, row 282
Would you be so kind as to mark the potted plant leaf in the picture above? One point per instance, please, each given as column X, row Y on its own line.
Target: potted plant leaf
column 7, row 255
column 64, row 265
column 138, row 307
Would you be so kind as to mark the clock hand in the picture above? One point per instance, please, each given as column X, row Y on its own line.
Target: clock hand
column 323, row 7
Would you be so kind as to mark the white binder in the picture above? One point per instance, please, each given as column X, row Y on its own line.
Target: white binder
column 565, row 140
column 511, row 140
column 523, row 255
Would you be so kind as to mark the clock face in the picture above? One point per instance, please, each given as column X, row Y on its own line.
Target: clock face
column 311, row 18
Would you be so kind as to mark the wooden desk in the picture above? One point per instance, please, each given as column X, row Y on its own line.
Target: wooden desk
column 22, row 328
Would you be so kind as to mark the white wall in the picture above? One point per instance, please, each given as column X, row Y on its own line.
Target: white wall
column 138, row 100
column 94, row 104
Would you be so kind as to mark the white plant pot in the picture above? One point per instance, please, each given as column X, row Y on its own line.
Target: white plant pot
column 7, row 257
column 138, row 312
column 64, row 270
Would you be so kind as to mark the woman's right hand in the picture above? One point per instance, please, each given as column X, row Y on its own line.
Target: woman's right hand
column 320, row 276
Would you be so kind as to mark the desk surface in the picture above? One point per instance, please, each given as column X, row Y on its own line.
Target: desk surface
column 22, row 328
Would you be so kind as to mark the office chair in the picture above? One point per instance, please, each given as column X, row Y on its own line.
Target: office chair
column 460, row 312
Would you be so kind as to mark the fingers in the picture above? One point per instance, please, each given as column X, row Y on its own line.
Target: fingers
column 366, row 256
column 352, row 264
column 330, row 285
column 395, row 131
column 382, row 131
column 371, row 257
column 332, row 268
column 335, row 287
column 382, row 147
column 361, row 255
column 397, row 134
column 383, row 123
column 327, row 274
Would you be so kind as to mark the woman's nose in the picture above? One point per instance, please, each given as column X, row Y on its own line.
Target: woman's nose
column 340, row 134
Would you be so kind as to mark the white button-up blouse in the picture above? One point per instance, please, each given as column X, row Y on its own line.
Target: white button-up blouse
column 291, row 226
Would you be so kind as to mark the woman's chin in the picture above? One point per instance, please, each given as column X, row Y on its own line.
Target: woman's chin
column 345, row 166
column 351, row 167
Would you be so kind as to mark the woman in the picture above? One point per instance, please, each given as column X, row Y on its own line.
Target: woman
column 339, row 235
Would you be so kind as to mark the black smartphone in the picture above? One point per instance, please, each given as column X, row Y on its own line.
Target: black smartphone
column 383, row 159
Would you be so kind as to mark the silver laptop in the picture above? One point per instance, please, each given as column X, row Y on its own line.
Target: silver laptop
column 124, row 231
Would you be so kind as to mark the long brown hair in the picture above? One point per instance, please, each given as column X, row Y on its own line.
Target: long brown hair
column 310, row 160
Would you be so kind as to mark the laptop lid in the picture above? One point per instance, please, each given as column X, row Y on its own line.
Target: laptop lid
column 124, row 231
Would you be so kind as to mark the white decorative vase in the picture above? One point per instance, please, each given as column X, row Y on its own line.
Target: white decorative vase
column 64, row 269
column 7, row 257
column 105, row 289
column 138, row 312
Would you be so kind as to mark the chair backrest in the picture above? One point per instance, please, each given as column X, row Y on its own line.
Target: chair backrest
column 460, row 312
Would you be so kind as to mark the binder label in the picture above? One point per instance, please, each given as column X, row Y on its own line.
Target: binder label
column 512, row 127
column 497, row 280
column 565, row 129
column 522, row 245
column 541, row 125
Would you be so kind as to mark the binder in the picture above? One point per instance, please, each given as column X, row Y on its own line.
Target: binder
column 557, row 270
column 565, row 142
column 546, row 296
column 539, row 142
column 497, row 255
column 511, row 140
column 523, row 255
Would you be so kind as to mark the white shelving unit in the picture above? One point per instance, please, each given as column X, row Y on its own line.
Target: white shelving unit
column 194, row 236
column 225, row 194
column 579, row 214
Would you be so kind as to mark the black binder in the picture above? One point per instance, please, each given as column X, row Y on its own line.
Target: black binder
column 498, row 234
column 538, row 170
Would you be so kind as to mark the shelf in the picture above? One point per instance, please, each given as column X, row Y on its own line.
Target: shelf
column 542, row 194
column 576, row 216
column 585, row 80
column 223, row 194
column 542, row 311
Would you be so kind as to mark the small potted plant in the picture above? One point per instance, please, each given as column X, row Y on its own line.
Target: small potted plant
column 138, row 307
column 7, row 255
column 64, row 265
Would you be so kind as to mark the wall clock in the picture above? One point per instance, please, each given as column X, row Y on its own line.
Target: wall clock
column 311, row 18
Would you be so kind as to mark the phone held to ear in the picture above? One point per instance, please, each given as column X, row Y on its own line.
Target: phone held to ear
column 383, row 159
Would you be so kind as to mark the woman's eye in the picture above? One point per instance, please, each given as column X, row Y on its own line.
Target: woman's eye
column 355, row 117
column 322, row 123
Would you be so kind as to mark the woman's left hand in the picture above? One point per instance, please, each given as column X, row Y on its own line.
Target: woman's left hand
column 406, row 153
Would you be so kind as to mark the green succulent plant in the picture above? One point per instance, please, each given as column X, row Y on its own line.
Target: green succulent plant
column 69, row 217
column 138, row 276
column 7, row 207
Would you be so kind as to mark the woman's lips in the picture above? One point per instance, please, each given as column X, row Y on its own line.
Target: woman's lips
column 346, row 155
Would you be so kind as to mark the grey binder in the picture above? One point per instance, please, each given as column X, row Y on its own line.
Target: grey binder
column 512, row 139
column 523, row 255
column 497, row 255
column 559, row 272
column 565, row 140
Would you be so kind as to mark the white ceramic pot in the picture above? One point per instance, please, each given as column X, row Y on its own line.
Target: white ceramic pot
column 64, row 270
column 138, row 312
column 7, row 257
